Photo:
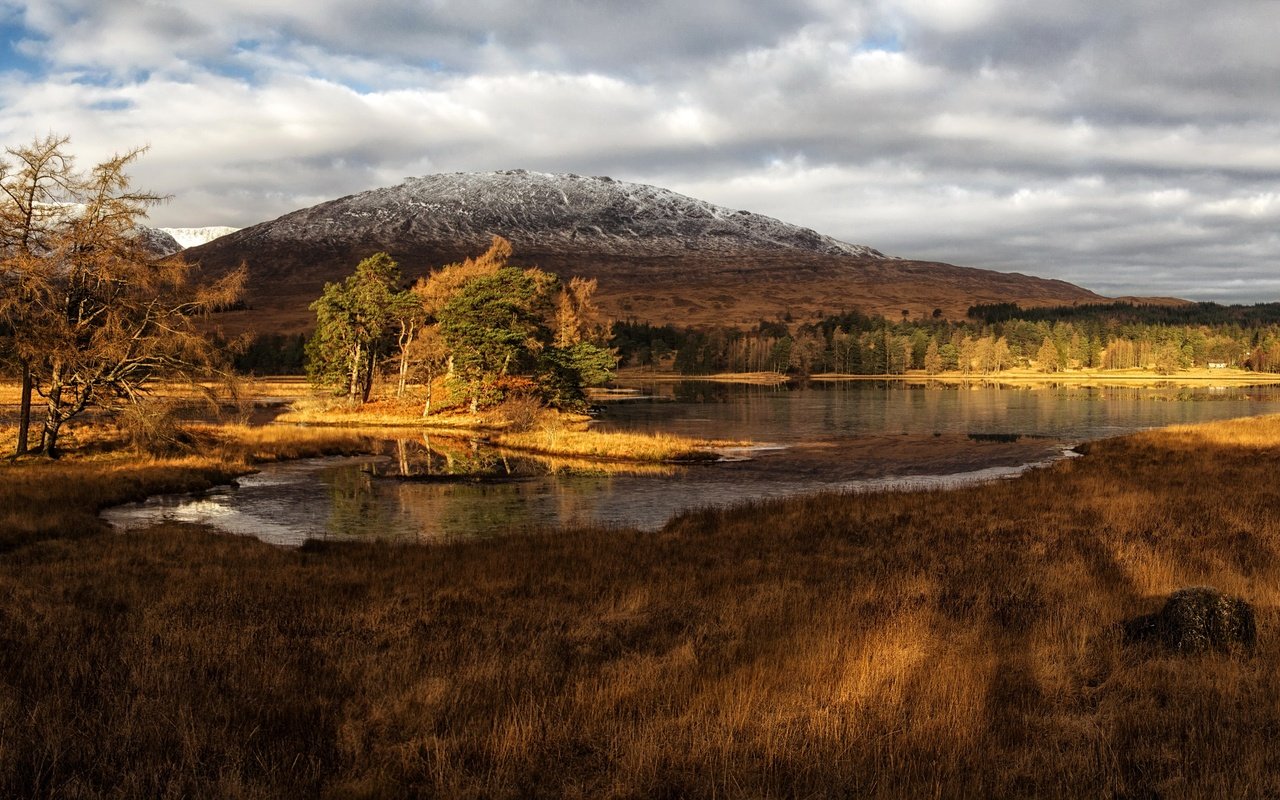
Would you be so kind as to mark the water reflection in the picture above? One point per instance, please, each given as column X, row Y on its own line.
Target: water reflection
column 845, row 437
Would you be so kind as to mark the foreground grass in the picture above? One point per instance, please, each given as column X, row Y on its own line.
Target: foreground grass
column 940, row 644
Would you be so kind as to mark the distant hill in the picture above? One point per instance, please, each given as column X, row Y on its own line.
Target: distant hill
column 192, row 237
column 659, row 256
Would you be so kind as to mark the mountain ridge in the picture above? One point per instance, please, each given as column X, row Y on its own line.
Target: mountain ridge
column 657, row 254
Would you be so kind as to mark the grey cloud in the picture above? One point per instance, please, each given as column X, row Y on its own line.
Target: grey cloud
column 1127, row 147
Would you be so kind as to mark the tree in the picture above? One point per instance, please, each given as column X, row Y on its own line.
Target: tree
column 495, row 324
column 1048, row 358
column 35, row 193
column 578, row 356
column 355, row 322
column 932, row 358
column 427, row 357
column 101, row 318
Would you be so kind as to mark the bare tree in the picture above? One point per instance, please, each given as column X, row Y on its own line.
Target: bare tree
column 37, row 185
column 100, row 318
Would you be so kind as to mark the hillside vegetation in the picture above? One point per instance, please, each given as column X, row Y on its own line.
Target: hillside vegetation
column 1160, row 339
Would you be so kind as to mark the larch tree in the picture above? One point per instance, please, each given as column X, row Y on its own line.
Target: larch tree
column 37, row 187
column 578, row 355
column 102, row 319
column 932, row 358
column 1048, row 358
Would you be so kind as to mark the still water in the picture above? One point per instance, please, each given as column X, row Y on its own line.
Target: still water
column 854, row 436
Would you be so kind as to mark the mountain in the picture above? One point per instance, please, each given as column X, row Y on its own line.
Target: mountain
column 658, row 255
column 157, row 241
column 193, row 237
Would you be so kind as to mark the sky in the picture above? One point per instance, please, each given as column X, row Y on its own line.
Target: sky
column 1132, row 148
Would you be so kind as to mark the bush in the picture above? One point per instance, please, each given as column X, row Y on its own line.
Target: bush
column 1197, row 619
column 152, row 426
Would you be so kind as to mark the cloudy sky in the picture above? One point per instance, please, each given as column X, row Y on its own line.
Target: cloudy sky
column 1130, row 147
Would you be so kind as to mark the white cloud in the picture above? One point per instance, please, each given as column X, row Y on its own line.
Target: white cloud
column 1128, row 147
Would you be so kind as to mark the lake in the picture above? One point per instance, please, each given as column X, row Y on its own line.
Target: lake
column 854, row 436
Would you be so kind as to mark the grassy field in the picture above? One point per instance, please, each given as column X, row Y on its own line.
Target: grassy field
column 940, row 644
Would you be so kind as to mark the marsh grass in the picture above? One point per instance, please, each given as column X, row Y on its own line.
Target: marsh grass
column 41, row 499
column 516, row 427
column 589, row 444
column 938, row 644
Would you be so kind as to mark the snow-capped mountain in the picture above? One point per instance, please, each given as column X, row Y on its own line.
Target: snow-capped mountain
column 158, row 241
column 193, row 237
column 544, row 213
column 657, row 254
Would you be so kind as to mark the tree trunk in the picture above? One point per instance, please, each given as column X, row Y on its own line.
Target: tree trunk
column 49, row 438
column 426, row 407
column 24, row 413
column 54, row 419
column 402, row 451
column 367, row 389
column 404, row 372
column 354, row 383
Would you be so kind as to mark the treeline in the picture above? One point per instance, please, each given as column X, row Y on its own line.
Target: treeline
column 270, row 354
column 855, row 343
column 1187, row 314
column 996, row 336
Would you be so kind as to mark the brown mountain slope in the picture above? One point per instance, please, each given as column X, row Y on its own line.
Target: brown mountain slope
column 658, row 256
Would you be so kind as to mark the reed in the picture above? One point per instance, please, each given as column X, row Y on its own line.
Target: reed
column 931, row 644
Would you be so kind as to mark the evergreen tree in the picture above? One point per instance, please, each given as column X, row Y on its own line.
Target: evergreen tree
column 494, row 325
column 355, row 324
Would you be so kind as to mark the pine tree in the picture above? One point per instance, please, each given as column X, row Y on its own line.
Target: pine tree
column 355, row 325
column 496, row 324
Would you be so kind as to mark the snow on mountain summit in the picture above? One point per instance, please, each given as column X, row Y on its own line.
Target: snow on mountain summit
column 193, row 237
column 564, row 213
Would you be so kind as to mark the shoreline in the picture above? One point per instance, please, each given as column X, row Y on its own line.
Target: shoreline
column 1189, row 379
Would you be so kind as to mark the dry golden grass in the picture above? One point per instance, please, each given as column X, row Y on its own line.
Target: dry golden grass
column 940, row 644
column 758, row 378
column 544, row 432
column 590, row 444
column 40, row 499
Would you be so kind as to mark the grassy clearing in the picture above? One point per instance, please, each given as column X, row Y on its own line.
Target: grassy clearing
column 938, row 644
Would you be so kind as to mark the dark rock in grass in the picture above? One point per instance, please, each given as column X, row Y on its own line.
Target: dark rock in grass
column 1194, row 620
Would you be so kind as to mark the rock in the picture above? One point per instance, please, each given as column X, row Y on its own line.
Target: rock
column 1194, row 620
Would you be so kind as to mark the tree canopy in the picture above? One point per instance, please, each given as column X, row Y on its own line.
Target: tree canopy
column 482, row 322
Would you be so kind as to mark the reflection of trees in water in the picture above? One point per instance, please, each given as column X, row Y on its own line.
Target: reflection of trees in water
column 433, row 511
column 702, row 392
column 460, row 488
column 354, row 508
column 445, row 457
